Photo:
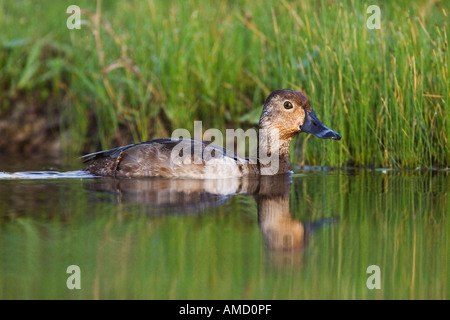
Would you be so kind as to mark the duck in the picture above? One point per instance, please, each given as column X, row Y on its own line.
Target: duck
column 285, row 114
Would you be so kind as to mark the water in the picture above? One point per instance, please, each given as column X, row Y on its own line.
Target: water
column 311, row 235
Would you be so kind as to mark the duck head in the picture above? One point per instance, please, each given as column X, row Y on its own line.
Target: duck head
column 288, row 112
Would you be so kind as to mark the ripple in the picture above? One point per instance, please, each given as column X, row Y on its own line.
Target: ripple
column 78, row 174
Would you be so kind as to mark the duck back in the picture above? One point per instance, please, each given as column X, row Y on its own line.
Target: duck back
column 169, row 158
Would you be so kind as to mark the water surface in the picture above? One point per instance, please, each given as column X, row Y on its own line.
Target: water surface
column 310, row 235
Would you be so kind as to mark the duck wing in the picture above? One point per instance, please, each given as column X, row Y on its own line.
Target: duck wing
column 169, row 158
column 168, row 143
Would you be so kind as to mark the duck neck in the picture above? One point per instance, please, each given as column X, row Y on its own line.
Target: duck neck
column 273, row 152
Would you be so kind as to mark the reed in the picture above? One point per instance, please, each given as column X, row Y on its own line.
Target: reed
column 137, row 70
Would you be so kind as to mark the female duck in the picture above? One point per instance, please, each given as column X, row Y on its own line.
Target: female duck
column 285, row 114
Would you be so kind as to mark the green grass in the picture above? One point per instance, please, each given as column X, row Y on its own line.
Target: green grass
column 139, row 69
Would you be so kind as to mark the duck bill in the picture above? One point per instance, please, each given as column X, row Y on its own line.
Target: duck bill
column 314, row 126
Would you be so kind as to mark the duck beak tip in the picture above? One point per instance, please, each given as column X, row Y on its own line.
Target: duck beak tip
column 315, row 127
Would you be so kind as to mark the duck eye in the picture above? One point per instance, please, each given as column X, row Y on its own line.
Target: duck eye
column 288, row 105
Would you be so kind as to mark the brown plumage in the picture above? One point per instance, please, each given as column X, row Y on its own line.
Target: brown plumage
column 285, row 114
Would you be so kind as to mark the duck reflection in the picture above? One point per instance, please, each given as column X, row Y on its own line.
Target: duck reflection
column 283, row 235
column 280, row 230
column 165, row 195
